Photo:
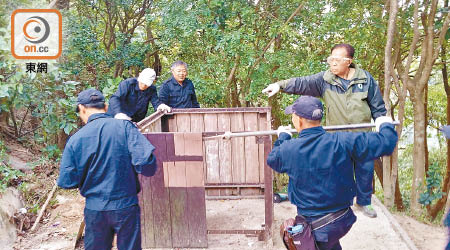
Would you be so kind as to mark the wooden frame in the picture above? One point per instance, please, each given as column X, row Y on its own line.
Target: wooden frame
column 175, row 196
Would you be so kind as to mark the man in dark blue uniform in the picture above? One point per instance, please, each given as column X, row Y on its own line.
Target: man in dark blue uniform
column 320, row 166
column 178, row 91
column 131, row 100
column 103, row 159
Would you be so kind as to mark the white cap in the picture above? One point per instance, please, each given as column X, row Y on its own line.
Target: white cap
column 147, row 76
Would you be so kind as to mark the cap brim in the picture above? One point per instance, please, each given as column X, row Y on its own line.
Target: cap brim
column 289, row 109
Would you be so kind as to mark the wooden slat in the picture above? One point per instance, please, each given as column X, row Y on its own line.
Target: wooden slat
column 225, row 157
column 194, row 144
column 179, row 143
column 262, row 127
column 148, row 211
column 268, row 190
column 166, row 166
column 179, row 216
column 194, row 174
column 160, row 196
column 172, row 122
column 237, row 149
column 152, row 127
column 196, row 213
column 183, row 123
column 197, row 124
column 177, row 174
column 251, row 153
column 212, row 153
column 157, row 115
column 197, row 217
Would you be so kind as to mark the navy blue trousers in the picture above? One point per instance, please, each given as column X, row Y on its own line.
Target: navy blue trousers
column 102, row 225
column 364, row 180
column 327, row 237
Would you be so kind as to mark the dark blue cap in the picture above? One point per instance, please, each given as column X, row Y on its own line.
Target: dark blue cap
column 307, row 107
column 90, row 96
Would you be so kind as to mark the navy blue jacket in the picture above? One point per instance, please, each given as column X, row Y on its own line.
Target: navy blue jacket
column 320, row 165
column 176, row 96
column 132, row 101
column 103, row 159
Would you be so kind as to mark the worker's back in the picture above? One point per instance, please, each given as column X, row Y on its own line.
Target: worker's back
column 105, row 163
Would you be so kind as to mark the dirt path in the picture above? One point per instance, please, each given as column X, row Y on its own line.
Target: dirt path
column 59, row 229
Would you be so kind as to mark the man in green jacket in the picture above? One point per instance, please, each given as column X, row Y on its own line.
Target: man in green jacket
column 351, row 96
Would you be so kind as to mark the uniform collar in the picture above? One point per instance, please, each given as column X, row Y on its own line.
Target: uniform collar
column 97, row 116
column 359, row 77
column 136, row 87
column 174, row 82
column 312, row 131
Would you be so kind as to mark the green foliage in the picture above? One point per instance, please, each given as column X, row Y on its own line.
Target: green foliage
column 433, row 185
column 52, row 152
column 8, row 176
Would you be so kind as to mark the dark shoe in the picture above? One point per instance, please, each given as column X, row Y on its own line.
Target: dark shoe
column 367, row 210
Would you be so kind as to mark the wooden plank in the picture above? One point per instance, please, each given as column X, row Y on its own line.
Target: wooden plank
column 179, row 216
column 172, row 123
column 160, row 195
column 183, row 123
column 194, row 174
column 238, row 150
column 179, row 143
column 166, row 166
column 197, row 124
column 177, row 174
column 148, row 212
column 212, row 154
column 251, row 153
column 268, row 191
column 193, row 144
column 157, row 126
column 225, row 158
column 197, row 217
column 146, row 233
column 195, row 187
column 262, row 127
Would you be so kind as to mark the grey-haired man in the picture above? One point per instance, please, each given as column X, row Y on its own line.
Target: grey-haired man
column 178, row 91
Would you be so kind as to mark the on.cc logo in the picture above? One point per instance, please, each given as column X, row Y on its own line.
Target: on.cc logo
column 40, row 28
column 36, row 34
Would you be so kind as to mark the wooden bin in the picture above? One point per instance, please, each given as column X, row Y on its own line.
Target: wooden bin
column 189, row 167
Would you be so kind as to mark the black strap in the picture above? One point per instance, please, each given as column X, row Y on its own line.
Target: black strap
column 329, row 218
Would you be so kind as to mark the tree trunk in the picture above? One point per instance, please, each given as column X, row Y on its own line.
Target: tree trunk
column 232, row 95
column 445, row 185
column 388, row 181
column 419, row 151
column 4, row 116
column 425, row 144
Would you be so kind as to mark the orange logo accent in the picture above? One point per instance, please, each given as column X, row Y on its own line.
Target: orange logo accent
column 36, row 34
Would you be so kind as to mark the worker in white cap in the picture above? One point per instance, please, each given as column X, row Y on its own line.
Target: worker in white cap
column 130, row 102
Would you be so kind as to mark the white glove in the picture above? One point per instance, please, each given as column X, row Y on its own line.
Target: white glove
column 122, row 116
column 272, row 89
column 163, row 107
column 380, row 120
column 284, row 129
